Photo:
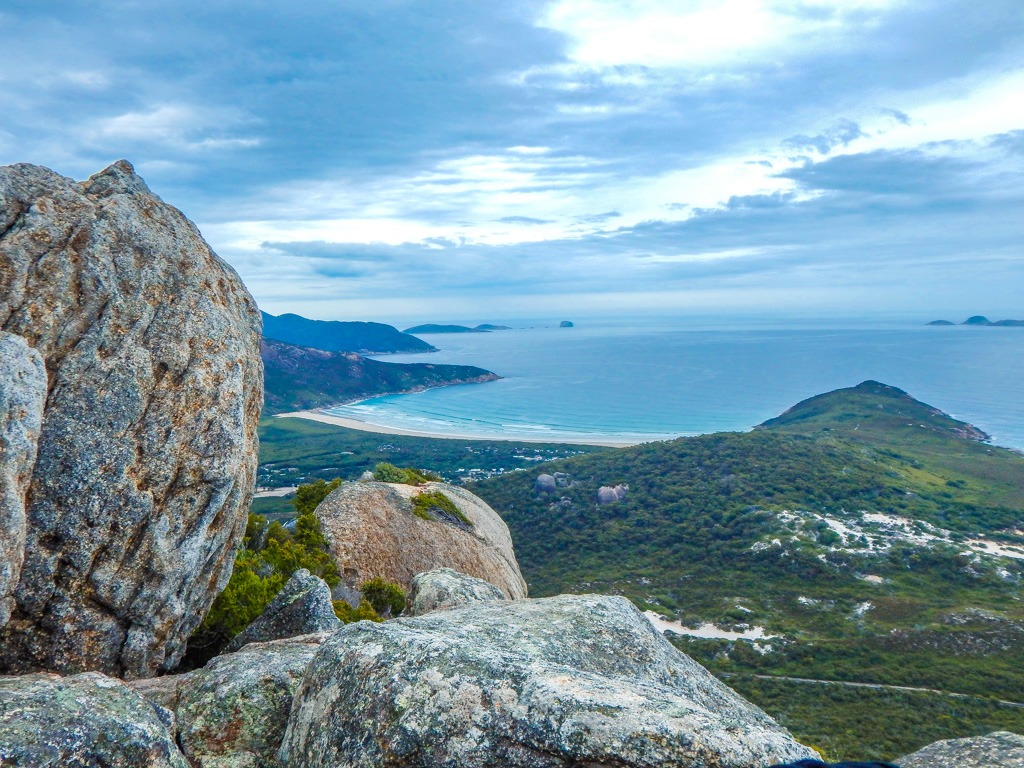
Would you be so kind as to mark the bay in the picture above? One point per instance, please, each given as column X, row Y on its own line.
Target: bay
column 626, row 382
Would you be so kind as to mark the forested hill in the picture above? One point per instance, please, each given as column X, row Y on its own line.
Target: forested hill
column 335, row 336
column 297, row 378
column 859, row 528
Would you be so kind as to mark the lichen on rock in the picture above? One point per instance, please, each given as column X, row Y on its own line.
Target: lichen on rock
column 85, row 720
column 552, row 683
column 1001, row 749
column 445, row 588
column 147, row 456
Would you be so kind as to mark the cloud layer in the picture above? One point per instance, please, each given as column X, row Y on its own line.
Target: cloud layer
column 441, row 159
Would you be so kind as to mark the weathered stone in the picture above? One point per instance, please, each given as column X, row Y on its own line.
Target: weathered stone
column 232, row 713
column 444, row 588
column 545, row 484
column 559, row 682
column 83, row 721
column 303, row 606
column 22, row 397
column 610, row 494
column 373, row 532
column 1001, row 749
column 147, row 457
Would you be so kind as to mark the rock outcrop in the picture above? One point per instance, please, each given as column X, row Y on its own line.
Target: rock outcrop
column 147, row 456
column 545, row 484
column 445, row 588
column 1001, row 749
column 564, row 681
column 373, row 532
column 610, row 494
column 22, row 397
column 232, row 713
column 302, row 607
column 85, row 720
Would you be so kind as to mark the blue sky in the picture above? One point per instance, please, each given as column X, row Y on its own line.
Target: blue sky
column 490, row 160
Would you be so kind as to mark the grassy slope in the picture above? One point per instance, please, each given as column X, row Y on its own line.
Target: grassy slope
column 693, row 540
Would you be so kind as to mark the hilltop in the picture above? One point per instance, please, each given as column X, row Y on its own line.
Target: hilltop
column 297, row 378
column 435, row 328
column 336, row 336
column 873, row 538
column 982, row 321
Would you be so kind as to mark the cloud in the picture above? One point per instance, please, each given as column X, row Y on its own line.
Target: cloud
column 839, row 135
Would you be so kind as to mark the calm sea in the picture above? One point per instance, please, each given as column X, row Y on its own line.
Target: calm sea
column 634, row 382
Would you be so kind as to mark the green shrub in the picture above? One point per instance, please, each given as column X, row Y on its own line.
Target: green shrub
column 389, row 473
column 434, row 505
column 386, row 598
column 308, row 497
column 347, row 614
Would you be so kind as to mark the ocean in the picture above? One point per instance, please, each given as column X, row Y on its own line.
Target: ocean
column 620, row 381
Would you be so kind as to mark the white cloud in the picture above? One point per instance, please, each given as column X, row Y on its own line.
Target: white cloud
column 177, row 125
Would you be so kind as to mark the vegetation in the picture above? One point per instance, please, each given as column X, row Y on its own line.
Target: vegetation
column 389, row 473
column 434, row 505
column 386, row 598
column 297, row 378
column 842, row 528
column 295, row 451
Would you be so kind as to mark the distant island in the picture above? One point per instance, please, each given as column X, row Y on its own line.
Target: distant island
column 435, row 328
column 336, row 336
column 565, row 324
column 982, row 320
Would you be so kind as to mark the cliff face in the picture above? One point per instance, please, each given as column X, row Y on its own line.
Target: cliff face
column 148, row 448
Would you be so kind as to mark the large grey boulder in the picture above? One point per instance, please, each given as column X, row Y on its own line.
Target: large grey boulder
column 564, row 681
column 445, row 588
column 232, row 713
column 22, row 397
column 147, row 457
column 82, row 721
column 1001, row 749
column 303, row 606
column 373, row 531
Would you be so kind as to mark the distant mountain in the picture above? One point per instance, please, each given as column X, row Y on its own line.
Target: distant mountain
column 489, row 327
column 299, row 378
column 336, row 336
column 434, row 328
column 873, row 537
column 984, row 321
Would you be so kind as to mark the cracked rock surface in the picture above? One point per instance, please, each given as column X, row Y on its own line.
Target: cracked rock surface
column 147, row 454
column 22, row 396
column 553, row 683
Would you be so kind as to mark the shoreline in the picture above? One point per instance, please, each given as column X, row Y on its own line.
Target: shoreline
column 366, row 426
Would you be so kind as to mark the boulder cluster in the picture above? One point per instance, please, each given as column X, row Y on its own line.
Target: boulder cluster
column 130, row 391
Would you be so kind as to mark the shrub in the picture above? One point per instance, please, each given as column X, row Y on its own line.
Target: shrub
column 347, row 614
column 434, row 505
column 308, row 497
column 389, row 473
column 384, row 597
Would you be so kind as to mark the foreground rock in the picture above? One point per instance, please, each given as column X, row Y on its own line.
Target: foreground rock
column 232, row 713
column 373, row 532
column 1001, row 749
column 147, row 456
column 303, row 606
column 565, row 681
column 22, row 396
column 444, row 588
column 85, row 720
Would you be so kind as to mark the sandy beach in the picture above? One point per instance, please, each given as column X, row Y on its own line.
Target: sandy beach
column 341, row 421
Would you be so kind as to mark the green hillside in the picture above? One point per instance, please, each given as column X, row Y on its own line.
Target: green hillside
column 854, row 529
column 336, row 336
column 297, row 378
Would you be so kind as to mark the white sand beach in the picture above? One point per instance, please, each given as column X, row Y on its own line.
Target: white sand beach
column 344, row 421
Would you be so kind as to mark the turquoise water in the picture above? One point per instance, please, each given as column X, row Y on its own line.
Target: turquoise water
column 622, row 382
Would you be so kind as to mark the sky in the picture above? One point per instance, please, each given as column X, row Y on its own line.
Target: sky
column 492, row 159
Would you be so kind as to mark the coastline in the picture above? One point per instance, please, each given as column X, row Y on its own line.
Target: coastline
column 365, row 426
